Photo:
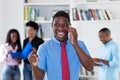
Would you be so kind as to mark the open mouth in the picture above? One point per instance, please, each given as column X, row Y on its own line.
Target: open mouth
column 61, row 34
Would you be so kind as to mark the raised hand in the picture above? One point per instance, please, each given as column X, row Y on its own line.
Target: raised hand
column 8, row 53
column 96, row 60
column 33, row 58
column 73, row 35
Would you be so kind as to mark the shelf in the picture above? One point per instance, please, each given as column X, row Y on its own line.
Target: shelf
column 46, row 39
column 96, row 3
column 47, row 4
column 97, row 21
column 42, row 21
column 87, row 77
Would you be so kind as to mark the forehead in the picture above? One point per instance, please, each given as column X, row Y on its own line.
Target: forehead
column 60, row 19
column 102, row 34
column 14, row 34
column 29, row 28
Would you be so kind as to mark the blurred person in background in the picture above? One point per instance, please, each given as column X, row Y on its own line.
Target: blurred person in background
column 108, row 61
column 11, row 69
column 31, row 30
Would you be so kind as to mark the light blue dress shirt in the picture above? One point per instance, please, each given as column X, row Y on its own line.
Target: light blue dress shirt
column 49, row 54
column 109, row 52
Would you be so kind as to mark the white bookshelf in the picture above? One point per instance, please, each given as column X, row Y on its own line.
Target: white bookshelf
column 87, row 29
column 46, row 10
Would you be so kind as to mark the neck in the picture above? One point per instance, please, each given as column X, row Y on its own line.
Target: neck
column 108, row 41
column 31, row 38
column 13, row 45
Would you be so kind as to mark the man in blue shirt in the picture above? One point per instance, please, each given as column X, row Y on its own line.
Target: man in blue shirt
column 108, row 61
column 49, row 54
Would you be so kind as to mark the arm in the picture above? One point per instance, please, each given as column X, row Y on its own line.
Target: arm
column 97, row 61
column 4, row 52
column 86, row 60
column 37, row 72
column 114, row 62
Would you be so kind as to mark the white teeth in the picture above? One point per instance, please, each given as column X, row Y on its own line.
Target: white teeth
column 61, row 34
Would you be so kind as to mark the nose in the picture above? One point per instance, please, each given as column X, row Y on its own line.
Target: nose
column 61, row 27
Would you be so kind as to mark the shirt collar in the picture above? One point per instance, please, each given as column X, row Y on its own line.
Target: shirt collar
column 14, row 50
column 58, row 42
column 109, row 42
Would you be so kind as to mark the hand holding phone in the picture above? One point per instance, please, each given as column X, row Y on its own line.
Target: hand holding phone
column 72, row 34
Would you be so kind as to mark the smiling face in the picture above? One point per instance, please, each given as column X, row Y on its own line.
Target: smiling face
column 31, row 32
column 104, row 37
column 60, row 27
column 13, row 37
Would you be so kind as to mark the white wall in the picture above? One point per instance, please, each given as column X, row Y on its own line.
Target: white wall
column 11, row 17
column 0, row 21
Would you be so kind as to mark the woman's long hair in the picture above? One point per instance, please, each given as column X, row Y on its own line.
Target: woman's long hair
column 8, row 38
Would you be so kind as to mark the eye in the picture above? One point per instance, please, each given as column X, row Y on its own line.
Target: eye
column 56, row 25
column 66, row 25
column 63, row 25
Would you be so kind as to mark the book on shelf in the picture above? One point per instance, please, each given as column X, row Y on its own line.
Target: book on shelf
column 79, row 14
column 99, row 14
column 74, row 13
column 84, row 14
column 26, row 13
column 108, row 13
column 91, row 14
column 95, row 15
column 30, row 13
column 104, row 14
column 27, row 1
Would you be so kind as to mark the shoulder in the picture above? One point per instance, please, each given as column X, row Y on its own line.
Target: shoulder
column 25, row 40
column 114, row 44
column 4, row 46
column 39, row 40
column 80, row 42
column 46, row 44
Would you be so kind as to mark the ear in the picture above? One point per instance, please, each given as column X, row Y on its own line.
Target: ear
column 52, row 25
column 107, row 35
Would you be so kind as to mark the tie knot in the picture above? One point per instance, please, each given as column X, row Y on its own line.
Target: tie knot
column 63, row 44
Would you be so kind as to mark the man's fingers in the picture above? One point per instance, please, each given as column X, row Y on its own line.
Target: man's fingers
column 34, row 50
column 33, row 57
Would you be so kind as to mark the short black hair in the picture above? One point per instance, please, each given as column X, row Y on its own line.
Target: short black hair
column 61, row 14
column 32, row 24
column 105, row 30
